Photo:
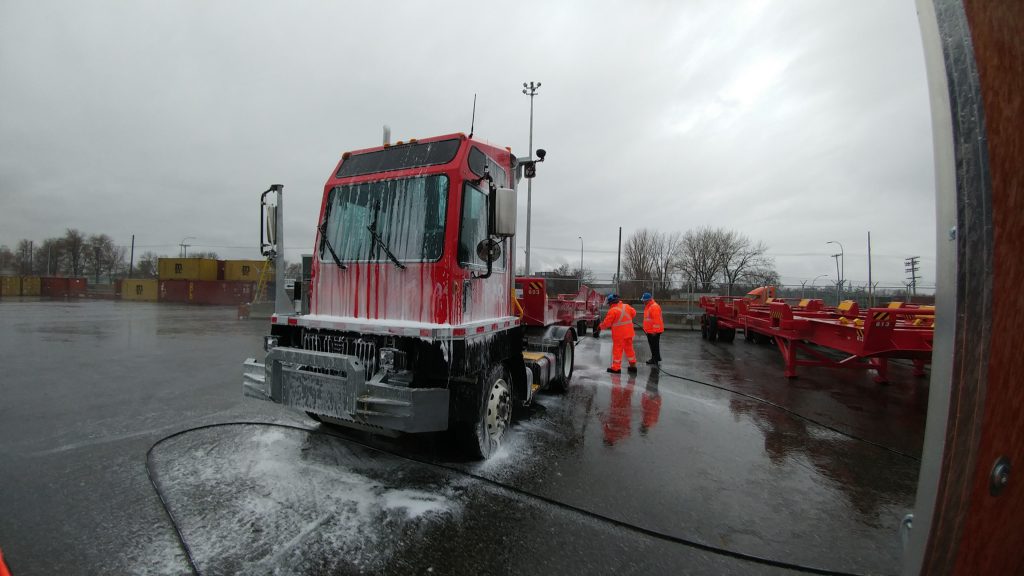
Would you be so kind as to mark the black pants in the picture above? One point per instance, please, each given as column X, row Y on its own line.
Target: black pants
column 654, row 341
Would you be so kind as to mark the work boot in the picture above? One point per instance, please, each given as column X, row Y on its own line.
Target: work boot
column 614, row 371
column 652, row 361
column 631, row 369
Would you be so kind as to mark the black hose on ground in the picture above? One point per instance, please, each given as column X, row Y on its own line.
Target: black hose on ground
column 512, row 489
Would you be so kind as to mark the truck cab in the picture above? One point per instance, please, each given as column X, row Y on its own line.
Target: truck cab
column 412, row 323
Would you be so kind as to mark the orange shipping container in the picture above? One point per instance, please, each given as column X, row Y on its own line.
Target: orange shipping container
column 30, row 285
column 244, row 270
column 139, row 289
column 187, row 269
column 10, row 286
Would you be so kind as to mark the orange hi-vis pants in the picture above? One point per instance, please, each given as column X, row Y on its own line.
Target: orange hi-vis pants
column 620, row 345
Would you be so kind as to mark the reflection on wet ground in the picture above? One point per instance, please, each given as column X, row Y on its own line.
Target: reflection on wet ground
column 667, row 455
column 255, row 499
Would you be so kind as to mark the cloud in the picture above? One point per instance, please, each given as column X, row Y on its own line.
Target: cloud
column 793, row 122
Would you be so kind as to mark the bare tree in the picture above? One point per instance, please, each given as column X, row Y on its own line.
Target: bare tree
column 114, row 260
column 667, row 258
column 762, row 275
column 562, row 271
column 701, row 256
column 740, row 257
column 74, row 252
column 209, row 254
column 640, row 255
column 95, row 254
column 146, row 267
column 7, row 259
column 48, row 256
column 585, row 277
column 23, row 257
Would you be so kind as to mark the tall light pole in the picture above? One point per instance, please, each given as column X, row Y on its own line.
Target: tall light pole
column 840, row 272
column 531, row 91
column 580, row 283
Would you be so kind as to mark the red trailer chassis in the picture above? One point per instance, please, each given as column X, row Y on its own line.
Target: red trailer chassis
column 868, row 343
column 578, row 310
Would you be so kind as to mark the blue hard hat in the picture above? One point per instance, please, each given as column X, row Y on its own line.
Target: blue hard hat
column 613, row 297
column 645, row 297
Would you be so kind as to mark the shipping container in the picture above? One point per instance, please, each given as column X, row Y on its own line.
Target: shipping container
column 53, row 287
column 173, row 291
column 220, row 293
column 10, row 286
column 141, row 290
column 244, row 270
column 187, row 269
column 31, row 286
column 77, row 286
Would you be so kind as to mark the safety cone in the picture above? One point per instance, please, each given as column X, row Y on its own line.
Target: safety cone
column 3, row 567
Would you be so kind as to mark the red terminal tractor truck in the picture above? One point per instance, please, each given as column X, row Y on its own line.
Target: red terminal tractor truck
column 413, row 322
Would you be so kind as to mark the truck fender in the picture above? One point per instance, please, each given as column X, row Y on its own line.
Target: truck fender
column 555, row 334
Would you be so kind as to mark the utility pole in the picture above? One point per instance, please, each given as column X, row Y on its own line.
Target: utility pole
column 840, row 271
column 531, row 91
column 618, row 262
column 580, row 283
column 131, row 260
column 911, row 267
column 839, row 282
column 871, row 287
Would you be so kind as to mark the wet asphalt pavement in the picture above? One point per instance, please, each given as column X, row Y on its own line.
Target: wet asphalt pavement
column 87, row 388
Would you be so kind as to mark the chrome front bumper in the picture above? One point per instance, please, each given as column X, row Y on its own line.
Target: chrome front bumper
column 335, row 385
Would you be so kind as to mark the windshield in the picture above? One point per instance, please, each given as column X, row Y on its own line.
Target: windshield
column 406, row 214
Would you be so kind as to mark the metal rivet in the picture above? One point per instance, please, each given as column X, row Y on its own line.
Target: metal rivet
column 1000, row 476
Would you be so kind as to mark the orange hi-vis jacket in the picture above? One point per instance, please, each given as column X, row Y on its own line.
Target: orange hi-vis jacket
column 620, row 320
column 653, row 323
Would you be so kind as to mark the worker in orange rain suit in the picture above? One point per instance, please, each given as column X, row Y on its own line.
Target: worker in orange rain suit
column 620, row 320
column 653, row 326
column 616, row 423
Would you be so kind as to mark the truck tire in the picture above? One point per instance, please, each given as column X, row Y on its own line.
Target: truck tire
column 565, row 363
column 581, row 329
column 596, row 329
column 481, row 439
column 726, row 334
column 704, row 326
column 713, row 329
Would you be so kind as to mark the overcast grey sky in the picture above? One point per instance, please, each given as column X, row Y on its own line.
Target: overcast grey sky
column 794, row 122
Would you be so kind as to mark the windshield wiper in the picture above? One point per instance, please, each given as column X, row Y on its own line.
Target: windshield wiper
column 380, row 242
column 325, row 242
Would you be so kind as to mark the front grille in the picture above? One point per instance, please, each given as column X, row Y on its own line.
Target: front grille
column 364, row 349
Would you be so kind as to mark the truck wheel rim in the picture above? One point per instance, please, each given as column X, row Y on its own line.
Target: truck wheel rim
column 567, row 361
column 499, row 410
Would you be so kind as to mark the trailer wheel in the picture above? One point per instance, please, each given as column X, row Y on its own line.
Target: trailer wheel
column 581, row 329
column 704, row 326
column 481, row 439
column 713, row 329
column 726, row 334
column 565, row 363
column 596, row 329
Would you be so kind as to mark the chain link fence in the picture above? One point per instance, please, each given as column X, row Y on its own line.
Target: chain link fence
column 680, row 302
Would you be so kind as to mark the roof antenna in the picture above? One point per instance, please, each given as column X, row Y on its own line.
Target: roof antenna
column 472, row 122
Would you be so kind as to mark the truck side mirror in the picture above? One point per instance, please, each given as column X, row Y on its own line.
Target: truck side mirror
column 504, row 205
